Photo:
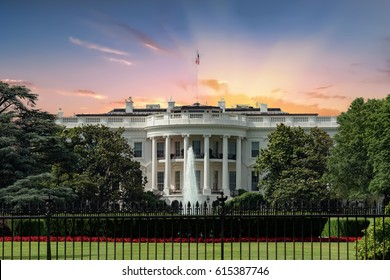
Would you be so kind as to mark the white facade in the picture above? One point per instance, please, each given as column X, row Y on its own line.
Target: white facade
column 226, row 142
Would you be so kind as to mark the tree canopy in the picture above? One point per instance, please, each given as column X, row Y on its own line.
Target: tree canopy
column 104, row 169
column 40, row 158
column 29, row 138
column 359, row 165
column 16, row 99
column 292, row 164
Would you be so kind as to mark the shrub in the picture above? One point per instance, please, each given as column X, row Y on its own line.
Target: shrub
column 376, row 242
column 344, row 227
column 29, row 227
column 173, row 226
column 4, row 228
column 247, row 200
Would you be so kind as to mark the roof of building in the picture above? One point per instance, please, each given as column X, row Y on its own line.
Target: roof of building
column 197, row 107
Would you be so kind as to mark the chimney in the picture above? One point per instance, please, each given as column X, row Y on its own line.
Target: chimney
column 129, row 105
column 171, row 105
column 263, row 108
column 60, row 114
column 222, row 105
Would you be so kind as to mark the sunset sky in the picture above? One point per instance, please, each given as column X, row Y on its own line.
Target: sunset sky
column 304, row 56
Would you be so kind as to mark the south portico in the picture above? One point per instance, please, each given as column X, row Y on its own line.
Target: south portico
column 216, row 156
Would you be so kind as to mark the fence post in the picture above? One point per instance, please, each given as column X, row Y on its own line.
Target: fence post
column 222, row 213
column 48, row 202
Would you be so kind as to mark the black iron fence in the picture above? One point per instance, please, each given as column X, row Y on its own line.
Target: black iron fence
column 199, row 231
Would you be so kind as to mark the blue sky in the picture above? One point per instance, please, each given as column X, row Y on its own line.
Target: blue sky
column 302, row 56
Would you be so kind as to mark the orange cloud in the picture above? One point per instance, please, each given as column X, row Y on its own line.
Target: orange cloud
column 82, row 93
column 215, row 85
column 221, row 91
column 89, row 93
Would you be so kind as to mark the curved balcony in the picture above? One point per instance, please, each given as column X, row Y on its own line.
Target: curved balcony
column 195, row 119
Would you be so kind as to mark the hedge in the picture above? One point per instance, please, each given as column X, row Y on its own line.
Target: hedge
column 351, row 227
column 165, row 227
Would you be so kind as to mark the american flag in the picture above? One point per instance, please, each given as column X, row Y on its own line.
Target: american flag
column 197, row 60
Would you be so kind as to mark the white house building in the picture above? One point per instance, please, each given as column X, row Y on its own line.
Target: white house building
column 225, row 141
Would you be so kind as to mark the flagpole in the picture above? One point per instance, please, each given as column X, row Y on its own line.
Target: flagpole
column 197, row 82
column 197, row 62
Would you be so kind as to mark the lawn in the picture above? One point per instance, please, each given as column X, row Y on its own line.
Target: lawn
column 176, row 251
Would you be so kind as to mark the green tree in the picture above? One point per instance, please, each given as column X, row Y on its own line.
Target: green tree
column 29, row 138
column 378, row 138
column 359, row 167
column 104, row 170
column 30, row 192
column 16, row 99
column 376, row 242
column 292, row 165
column 247, row 200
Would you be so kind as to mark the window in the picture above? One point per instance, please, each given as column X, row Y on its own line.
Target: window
column 232, row 180
column 197, row 178
column 196, row 147
column 215, row 153
column 255, row 149
column 177, row 149
column 177, row 180
column 160, row 149
column 160, row 181
column 138, row 149
column 255, row 181
column 231, row 150
column 215, row 180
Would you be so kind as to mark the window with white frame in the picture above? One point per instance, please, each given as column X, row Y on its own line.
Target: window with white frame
column 160, row 181
column 231, row 150
column 255, row 150
column 232, row 180
column 255, row 181
column 197, row 178
column 138, row 149
column 177, row 180
column 215, row 180
column 160, row 149
column 196, row 147
column 177, row 148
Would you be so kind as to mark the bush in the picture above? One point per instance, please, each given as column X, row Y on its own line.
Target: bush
column 247, row 200
column 174, row 226
column 376, row 242
column 29, row 227
column 4, row 228
column 345, row 227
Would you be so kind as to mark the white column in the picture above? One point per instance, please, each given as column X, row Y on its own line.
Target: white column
column 167, row 175
column 185, row 148
column 238, row 164
column 154, row 164
column 225, row 170
column 206, row 166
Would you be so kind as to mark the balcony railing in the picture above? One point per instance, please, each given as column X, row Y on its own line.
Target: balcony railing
column 169, row 119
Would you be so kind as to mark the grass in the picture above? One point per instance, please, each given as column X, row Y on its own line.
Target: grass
column 177, row 251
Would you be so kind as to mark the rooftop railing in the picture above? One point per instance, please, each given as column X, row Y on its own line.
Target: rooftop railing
column 227, row 119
